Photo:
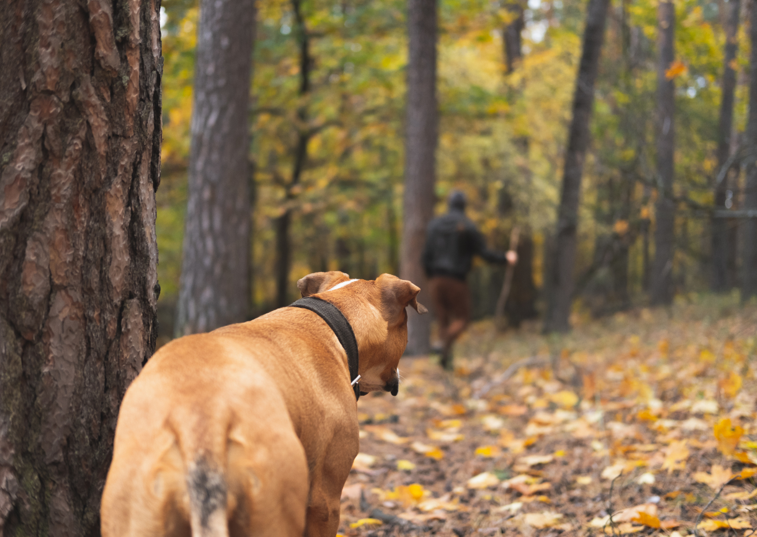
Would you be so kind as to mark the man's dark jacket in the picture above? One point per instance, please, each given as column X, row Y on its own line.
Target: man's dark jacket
column 451, row 242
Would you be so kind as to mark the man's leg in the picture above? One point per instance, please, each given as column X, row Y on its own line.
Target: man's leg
column 458, row 311
column 440, row 310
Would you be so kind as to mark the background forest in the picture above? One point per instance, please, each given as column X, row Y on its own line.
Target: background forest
column 503, row 135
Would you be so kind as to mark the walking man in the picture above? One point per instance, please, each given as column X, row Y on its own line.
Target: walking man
column 451, row 242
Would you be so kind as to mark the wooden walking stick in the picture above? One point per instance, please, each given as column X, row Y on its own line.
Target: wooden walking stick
column 499, row 310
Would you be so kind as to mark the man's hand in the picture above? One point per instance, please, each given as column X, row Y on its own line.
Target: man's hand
column 512, row 257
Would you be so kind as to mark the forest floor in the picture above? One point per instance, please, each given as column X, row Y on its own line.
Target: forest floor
column 647, row 416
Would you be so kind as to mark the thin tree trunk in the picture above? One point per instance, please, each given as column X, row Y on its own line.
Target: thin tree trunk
column 80, row 133
column 215, row 278
column 521, row 302
column 662, row 288
column 512, row 38
column 720, row 235
column 420, row 156
column 561, row 275
column 283, row 224
column 749, row 229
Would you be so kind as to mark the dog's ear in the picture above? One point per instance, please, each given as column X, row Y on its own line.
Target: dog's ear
column 400, row 293
column 318, row 282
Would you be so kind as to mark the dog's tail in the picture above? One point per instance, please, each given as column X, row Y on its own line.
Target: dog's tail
column 208, row 493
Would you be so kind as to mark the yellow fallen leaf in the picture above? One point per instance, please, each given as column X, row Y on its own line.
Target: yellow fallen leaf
column 731, row 385
column 743, row 496
column 734, row 523
column 483, row 481
column 429, row 451
column 366, row 522
column 487, row 451
column 565, row 399
column 584, row 479
column 545, row 519
column 717, row 477
column 746, row 473
column 676, row 455
column 645, row 519
column 403, row 464
column 727, row 435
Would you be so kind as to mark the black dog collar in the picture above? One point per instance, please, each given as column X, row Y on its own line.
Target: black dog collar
column 341, row 327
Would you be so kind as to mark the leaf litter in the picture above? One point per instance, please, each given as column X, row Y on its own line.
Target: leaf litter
column 646, row 425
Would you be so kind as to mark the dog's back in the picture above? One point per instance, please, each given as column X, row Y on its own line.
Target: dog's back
column 185, row 462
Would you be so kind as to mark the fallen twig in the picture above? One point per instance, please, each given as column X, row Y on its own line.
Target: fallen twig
column 610, row 508
column 509, row 372
column 701, row 513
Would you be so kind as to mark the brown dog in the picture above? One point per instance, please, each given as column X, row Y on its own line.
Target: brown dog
column 252, row 429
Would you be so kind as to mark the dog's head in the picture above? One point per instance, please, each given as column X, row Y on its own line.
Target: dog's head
column 376, row 309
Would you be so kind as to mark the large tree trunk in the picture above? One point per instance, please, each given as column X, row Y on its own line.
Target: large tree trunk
column 283, row 223
column 720, row 232
column 561, row 274
column 420, row 156
column 80, row 133
column 749, row 229
column 215, row 275
column 662, row 267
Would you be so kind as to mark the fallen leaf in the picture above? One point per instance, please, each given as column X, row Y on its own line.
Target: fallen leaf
column 545, row 519
column 565, row 399
column 743, row 496
column 734, row 523
column 647, row 478
column 676, row 455
column 483, row 480
column 403, row 464
column 511, row 507
column 445, row 437
column 386, row 434
column 366, row 522
column 630, row 513
column 363, row 461
column 534, row 460
column 513, row 410
column 717, row 477
column 727, row 435
column 487, row 451
column 648, row 520
column 705, row 406
column 429, row 451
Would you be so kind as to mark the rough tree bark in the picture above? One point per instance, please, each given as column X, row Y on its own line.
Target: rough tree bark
column 420, row 156
column 561, row 270
column 661, row 289
column 80, row 133
column 215, row 275
column 749, row 227
column 720, row 232
column 284, row 222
